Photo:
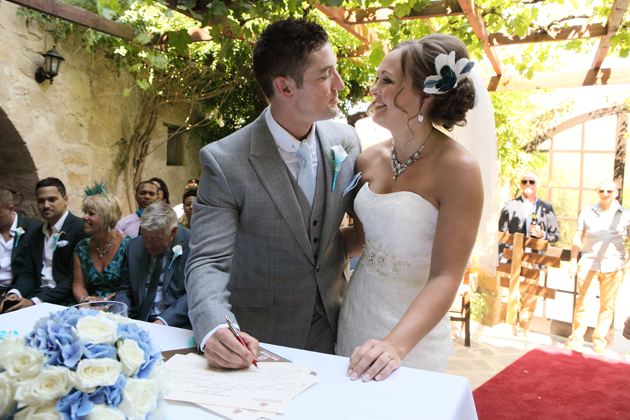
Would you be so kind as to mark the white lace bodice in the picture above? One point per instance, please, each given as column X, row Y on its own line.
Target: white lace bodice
column 399, row 232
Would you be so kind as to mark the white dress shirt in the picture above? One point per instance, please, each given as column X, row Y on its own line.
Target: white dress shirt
column 287, row 147
column 6, row 248
column 47, row 260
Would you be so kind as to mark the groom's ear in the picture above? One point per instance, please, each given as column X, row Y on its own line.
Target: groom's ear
column 283, row 87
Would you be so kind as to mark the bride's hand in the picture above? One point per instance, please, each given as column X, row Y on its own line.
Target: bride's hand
column 373, row 360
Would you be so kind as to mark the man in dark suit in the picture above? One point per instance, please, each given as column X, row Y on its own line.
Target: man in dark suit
column 15, row 231
column 533, row 217
column 154, row 288
column 48, row 263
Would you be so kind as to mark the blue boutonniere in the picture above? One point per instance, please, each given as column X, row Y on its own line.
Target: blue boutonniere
column 337, row 155
column 19, row 232
column 177, row 251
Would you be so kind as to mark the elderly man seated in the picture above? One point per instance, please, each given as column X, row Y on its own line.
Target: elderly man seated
column 154, row 288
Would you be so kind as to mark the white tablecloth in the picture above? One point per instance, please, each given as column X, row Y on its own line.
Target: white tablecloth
column 406, row 394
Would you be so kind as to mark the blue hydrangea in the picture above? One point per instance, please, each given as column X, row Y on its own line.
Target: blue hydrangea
column 151, row 352
column 75, row 405
column 110, row 395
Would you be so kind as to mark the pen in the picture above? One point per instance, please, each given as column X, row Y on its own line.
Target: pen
column 238, row 336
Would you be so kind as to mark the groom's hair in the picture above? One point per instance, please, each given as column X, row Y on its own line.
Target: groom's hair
column 283, row 50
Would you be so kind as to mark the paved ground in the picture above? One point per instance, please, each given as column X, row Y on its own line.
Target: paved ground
column 492, row 349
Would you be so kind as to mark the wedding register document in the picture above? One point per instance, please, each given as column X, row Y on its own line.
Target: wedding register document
column 269, row 388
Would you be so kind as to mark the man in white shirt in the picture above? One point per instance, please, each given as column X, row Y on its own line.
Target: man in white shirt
column 48, row 265
column 15, row 231
column 146, row 194
column 601, row 233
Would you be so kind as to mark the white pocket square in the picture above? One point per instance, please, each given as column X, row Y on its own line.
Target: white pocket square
column 61, row 244
column 353, row 183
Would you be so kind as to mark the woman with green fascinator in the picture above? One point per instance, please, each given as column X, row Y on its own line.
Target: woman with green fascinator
column 99, row 261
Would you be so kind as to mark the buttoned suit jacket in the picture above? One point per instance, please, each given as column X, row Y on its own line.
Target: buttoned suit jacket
column 29, row 282
column 251, row 257
column 512, row 220
column 18, row 253
column 133, row 288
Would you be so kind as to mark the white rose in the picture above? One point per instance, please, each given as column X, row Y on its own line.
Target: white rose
column 131, row 357
column 104, row 412
column 139, row 398
column 92, row 373
column 40, row 412
column 160, row 413
column 96, row 329
column 25, row 364
column 9, row 346
column 162, row 377
column 117, row 318
column 50, row 385
column 6, row 394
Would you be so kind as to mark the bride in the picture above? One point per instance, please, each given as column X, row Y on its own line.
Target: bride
column 418, row 211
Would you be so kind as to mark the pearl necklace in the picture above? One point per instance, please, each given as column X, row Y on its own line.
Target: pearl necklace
column 102, row 253
column 399, row 167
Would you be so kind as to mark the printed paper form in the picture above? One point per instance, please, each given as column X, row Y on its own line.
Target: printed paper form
column 270, row 388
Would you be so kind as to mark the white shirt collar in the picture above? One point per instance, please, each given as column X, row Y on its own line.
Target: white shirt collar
column 57, row 227
column 284, row 140
column 14, row 225
column 613, row 207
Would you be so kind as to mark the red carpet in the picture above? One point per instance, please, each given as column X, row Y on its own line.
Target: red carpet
column 557, row 384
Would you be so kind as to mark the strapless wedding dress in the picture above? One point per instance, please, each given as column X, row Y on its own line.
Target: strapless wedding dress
column 399, row 231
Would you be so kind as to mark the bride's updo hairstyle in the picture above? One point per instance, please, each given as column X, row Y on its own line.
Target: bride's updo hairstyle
column 418, row 61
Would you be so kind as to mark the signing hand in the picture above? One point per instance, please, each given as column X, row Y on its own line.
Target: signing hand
column 22, row 303
column 626, row 328
column 223, row 350
column 373, row 360
column 93, row 299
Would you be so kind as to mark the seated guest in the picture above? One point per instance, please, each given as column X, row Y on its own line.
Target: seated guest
column 15, row 231
column 179, row 209
column 154, row 288
column 189, row 196
column 162, row 189
column 48, row 264
column 146, row 194
column 99, row 261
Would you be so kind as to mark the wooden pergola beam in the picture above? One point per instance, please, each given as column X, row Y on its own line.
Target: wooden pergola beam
column 359, row 16
column 79, row 16
column 563, row 34
column 338, row 15
column 472, row 14
column 617, row 11
column 559, row 79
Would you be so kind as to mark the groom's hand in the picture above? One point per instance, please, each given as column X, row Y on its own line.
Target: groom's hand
column 223, row 350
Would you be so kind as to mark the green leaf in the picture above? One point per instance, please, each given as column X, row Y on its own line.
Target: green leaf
column 377, row 54
column 158, row 60
column 179, row 40
column 402, row 9
column 142, row 38
column 337, row 3
column 143, row 83
column 188, row 3
column 136, row 68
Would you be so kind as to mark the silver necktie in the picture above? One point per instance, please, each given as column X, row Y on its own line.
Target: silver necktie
column 305, row 172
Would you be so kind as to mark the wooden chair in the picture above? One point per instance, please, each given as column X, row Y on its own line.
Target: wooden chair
column 460, row 311
column 530, row 276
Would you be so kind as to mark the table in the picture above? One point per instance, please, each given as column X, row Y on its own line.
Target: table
column 406, row 394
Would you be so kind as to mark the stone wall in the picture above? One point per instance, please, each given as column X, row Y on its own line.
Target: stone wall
column 70, row 128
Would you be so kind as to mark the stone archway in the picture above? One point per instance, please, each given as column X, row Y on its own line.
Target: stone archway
column 17, row 169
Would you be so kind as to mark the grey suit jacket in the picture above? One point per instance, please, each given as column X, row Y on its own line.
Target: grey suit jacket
column 133, row 288
column 250, row 253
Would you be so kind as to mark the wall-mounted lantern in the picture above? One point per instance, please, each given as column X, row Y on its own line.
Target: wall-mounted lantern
column 52, row 62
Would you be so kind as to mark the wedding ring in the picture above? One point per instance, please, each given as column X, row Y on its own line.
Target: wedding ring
column 389, row 355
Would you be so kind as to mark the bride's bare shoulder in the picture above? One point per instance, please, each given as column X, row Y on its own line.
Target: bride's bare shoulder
column 374, row 153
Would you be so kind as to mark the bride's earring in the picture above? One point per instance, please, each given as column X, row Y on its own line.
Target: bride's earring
column 420, row 117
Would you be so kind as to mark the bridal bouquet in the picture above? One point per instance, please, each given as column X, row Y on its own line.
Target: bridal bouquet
column 82, row 364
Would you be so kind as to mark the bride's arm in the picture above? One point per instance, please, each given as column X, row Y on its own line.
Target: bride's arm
column 460, row 194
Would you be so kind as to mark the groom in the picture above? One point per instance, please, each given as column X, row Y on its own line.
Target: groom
column 266, row 249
